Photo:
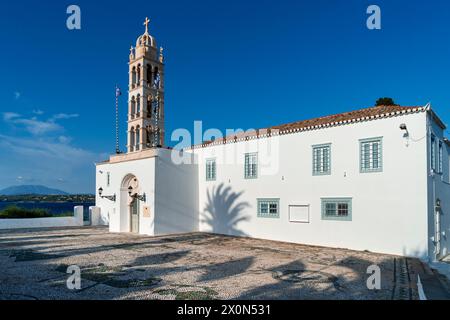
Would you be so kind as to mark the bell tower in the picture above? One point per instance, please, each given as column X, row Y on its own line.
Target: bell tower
column 146, row 94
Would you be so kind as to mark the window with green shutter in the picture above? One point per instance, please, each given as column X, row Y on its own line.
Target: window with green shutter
column 371, row 155
column 337, row 209
column 268, row 208
column 210, row 169
column 251, row 165
column 322, row 159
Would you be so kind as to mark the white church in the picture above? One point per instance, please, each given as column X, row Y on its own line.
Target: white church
column 374, row 179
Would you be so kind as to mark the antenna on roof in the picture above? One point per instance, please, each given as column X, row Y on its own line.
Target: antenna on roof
column 118, row 94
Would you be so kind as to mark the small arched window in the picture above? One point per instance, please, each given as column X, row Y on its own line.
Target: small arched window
column 138, row 137
column 149, row 73
column 133, row 76
column 149, row 106
column 132, row 137
column 132, row 107
column 139, row 74
column 138, row 104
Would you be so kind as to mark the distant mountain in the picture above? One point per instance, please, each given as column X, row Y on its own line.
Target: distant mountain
column 30, row 189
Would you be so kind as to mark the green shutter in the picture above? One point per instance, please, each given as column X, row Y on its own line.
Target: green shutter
column 251, row 166
column 321, row 159
column 210, row 169
column 339, row 209
column 371, row 155
column 268, row 208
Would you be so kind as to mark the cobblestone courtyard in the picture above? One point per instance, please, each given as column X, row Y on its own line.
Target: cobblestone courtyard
column 190, row 266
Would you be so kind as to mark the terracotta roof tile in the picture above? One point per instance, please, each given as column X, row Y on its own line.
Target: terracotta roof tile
column 346, row 116
column 336, row 119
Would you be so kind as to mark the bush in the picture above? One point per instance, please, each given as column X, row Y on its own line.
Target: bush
column 386, row 101
column 14, row 212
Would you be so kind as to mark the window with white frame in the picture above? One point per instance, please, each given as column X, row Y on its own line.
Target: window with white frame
column 251, row 165
column 269, row 208
column 322, row 159
column 440, row 155
column 337, row 209
column 371, row 155
column 433, row 152
column 210, row 169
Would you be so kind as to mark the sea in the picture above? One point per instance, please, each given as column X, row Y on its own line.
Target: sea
column 55, row 208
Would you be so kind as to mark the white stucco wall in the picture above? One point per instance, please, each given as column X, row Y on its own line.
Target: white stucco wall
column 171, row 190
column 176, row 194
column 389, row 212
column 117, row 213
column 96, row 217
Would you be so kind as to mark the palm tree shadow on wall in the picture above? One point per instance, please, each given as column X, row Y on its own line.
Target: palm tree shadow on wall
column 224, row 212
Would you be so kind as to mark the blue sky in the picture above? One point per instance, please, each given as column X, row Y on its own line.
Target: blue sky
column 231, row 64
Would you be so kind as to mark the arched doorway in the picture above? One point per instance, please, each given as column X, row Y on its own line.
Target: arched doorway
column 129, row 205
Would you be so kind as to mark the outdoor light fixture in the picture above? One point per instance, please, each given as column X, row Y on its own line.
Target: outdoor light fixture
column 111, row 198
column 404, row 127
column 438, row 203
column 136, row 196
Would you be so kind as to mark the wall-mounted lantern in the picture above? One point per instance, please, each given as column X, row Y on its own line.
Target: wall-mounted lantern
column 111, row 198
column 403, row 127
column 438, row 204
column 136, row 196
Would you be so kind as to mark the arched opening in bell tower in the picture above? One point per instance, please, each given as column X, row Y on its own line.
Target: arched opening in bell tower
column 138, row 76
column 138, row 137
column 138, row 105
column 132, row 136
column 149, row 73
column 133, row 77
column 132, row 107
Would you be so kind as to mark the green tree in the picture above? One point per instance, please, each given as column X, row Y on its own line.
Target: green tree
column 385, row 102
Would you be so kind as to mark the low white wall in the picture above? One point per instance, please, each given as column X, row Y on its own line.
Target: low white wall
column 75, row 221
column 96, row 217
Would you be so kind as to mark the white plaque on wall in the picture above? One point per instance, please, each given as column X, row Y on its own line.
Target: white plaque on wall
column 299, row 213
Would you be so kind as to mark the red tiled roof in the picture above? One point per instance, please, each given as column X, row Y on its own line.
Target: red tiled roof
column 346, row 116
column 327, row 121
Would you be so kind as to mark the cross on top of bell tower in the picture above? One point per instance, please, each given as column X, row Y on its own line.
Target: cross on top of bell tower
column 146, row 22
